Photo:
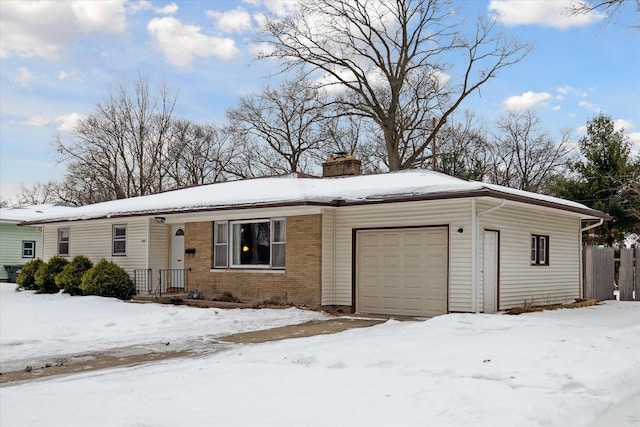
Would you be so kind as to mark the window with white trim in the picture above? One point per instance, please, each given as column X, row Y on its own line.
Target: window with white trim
column 539, row 249
column 249, row 244
column 63, row 241
column 221, row 244
column 120, row 239
column 28, row 249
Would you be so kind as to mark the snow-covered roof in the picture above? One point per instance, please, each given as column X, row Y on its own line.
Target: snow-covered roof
column 296, row 190
column 32, row 213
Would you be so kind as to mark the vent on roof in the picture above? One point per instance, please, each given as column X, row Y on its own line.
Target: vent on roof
column 341, row 165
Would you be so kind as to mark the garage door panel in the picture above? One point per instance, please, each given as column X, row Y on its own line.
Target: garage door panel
column 413, row 239
column 391, row 261
column 415, row 261
column 391, row 239
column 391, row 282
column 371, row 261
column 370, row 241
column 402, row 271
column 391, row 303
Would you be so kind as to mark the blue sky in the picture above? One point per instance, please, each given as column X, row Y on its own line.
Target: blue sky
column 59, row 59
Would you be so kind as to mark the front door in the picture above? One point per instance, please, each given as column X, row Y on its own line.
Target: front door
column 177, row 256
column 490, row 274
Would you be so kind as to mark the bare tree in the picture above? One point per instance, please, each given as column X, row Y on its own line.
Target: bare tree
column 198, row 154
column 610, row 7
column 37, row 194
column 462, row 148
column 280, row 127
column 523, row 156
column 391, row 61
column 122, row 145
column 351, row 135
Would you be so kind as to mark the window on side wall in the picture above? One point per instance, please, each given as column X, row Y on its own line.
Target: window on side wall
column 63, row 241
column 28, row 249
column 539, row 249
column 120, row 239
column 250, row 244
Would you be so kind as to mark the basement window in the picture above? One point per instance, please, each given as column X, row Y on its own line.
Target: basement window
column 539, row 249
column 249, row 244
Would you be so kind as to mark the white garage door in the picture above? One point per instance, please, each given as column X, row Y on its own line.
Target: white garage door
column 402, row 271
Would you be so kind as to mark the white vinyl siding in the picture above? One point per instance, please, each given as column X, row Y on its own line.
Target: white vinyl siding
column 519, row 279
column 94, row 239
column 337, row 243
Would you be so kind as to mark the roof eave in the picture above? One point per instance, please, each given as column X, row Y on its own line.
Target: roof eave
column 586, row 213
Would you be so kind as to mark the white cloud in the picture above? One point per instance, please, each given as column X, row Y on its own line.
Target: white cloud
column 99, row 16
column 635, row 141
column 589, row 106
column 277, row 7
column 527, row 101
column 553, row 13
column 137, row 6
column 25, row 76
column 68, row 122
column 622, row 124
column 180, row 43
column 169, row 9
column 259, row 49
column 232, row 21
column 36, row 121
column 568, row 90
column 43, row 29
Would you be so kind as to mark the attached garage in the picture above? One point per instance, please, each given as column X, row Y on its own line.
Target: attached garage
column 402, row 271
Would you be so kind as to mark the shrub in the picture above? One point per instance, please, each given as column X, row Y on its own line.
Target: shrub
column 27, row 277
column 107, row 279
column 70, row 278
column 46, row 275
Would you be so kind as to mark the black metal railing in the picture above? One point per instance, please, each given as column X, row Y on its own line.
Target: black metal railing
column 142, row 281
column 173, row 280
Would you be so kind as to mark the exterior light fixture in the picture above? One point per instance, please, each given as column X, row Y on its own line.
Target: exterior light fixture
column 160, row 219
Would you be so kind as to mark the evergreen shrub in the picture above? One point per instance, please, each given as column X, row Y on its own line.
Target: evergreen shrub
column 107, row 279
column 46, row 275
column 27, row 277
column 70, row 278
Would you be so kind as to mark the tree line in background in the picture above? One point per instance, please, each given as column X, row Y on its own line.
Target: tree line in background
column 372, row 79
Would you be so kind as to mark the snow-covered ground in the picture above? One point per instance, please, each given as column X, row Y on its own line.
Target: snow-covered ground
column 33, row 326
column 555, row 368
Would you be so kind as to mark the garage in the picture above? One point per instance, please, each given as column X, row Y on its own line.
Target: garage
column 402, row 271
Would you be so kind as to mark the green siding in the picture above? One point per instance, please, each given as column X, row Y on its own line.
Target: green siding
column 11, row 237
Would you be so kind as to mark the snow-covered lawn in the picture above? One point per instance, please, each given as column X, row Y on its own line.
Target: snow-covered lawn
column 57, row 324
column 555, row 368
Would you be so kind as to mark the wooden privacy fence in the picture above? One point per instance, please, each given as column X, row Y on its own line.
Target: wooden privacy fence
column 603, row 273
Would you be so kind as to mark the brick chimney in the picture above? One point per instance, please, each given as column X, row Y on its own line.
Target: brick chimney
column 341, row 165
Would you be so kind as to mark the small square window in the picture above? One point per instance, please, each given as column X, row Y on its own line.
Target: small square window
column 28, row 249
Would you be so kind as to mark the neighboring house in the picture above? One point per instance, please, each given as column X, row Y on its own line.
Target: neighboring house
column 19, row 244
column 413, row 243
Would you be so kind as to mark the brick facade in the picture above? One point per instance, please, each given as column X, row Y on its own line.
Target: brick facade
column 300, row 283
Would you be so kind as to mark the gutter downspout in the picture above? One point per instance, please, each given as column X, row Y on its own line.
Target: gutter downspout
column 475, row 278
column 589, row 227
column 581, row 249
